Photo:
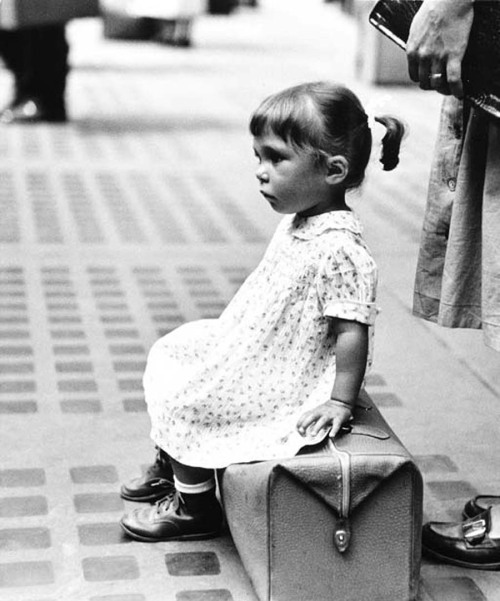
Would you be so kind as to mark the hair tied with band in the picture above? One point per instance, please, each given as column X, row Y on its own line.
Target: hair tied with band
column 391, row 142
column 327, row 119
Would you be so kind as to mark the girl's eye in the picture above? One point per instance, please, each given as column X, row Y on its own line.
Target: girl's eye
column 276, row 158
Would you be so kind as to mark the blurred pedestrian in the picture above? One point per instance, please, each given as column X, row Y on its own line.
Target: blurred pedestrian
column 458, row 271
column 282, row 367
column 38, row 60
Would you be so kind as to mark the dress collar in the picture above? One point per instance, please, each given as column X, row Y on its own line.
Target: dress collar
column 307, row 228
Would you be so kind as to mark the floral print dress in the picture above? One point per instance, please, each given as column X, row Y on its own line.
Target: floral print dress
column 231, row 389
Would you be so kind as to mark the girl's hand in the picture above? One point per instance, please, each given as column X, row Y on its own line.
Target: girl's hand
column 328, row 415
column 437, row 42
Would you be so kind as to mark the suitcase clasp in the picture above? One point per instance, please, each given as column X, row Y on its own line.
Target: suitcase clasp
column 342, row 534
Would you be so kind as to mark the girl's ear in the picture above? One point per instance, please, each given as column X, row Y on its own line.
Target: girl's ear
column 337, row 169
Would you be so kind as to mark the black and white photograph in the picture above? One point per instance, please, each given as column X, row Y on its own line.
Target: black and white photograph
column 249, row 300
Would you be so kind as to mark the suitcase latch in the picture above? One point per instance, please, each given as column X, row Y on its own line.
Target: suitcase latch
column 342, row 534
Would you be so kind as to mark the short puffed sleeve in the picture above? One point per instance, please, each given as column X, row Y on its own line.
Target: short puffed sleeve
column 346, row 283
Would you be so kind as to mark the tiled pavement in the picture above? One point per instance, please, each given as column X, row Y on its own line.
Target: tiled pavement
column 141, row 214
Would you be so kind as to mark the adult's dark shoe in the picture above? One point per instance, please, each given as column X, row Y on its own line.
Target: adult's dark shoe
column 156, row 483
column 466, row 544
column 478, row 504
column 171, row 520
column 32, row 110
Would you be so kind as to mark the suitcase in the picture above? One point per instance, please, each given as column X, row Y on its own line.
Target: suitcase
column 340, row 522
column 16, row 14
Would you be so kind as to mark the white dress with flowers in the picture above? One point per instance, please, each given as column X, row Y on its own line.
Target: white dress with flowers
column 231, row 390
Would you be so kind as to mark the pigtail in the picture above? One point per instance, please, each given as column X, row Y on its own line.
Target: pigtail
column 391, row 142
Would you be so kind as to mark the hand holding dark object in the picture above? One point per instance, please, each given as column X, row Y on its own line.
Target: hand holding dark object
column 438, row 39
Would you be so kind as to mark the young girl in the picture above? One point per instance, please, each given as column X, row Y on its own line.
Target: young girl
column 282, row 367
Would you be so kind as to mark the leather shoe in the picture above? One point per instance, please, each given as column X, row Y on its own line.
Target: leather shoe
column 156, row 483
column 31, row 110
column 466, row 544
column 171, row 520
column 478, row 504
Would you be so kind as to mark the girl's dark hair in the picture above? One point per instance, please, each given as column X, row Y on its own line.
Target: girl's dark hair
column 326, row 119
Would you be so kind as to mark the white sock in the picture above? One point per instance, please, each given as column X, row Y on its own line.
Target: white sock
column 194, row 489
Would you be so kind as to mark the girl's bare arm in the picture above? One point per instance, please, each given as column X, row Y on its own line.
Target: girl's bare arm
column 351, row 356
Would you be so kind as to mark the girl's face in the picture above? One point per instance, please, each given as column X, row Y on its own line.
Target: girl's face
column 290, row 180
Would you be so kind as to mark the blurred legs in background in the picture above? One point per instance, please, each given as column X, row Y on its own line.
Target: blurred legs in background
column 38, row 60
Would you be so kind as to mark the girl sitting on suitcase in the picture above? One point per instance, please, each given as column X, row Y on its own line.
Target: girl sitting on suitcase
column 282, row 367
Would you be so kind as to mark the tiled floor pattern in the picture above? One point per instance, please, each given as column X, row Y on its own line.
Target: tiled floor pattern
column 139, row 215
column 96, row 539
column 71, row 547
column 103, row 208
column 52, row 305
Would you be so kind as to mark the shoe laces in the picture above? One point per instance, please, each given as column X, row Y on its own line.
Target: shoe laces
column 159, row 482
column 171, row 499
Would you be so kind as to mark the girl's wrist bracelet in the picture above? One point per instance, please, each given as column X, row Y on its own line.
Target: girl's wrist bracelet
column 345, row 404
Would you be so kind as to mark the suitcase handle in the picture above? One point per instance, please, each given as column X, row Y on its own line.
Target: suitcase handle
column 372, row 431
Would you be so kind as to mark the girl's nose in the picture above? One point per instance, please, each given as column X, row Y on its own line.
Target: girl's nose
column 261, row 174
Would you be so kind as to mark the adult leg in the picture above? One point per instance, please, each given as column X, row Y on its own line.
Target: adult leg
column 15, row 52
column 470, row 297
column 38, row 59
column 50, row 68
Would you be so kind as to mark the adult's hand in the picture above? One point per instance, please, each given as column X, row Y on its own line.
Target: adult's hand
column 437, row 43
